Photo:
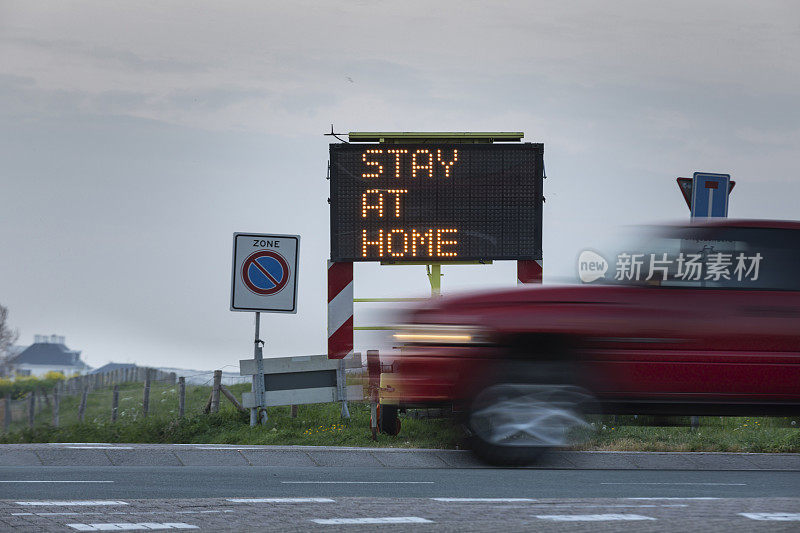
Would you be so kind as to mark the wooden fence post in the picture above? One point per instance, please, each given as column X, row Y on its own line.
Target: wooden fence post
column 82, row 406
column 232, row 398
column 181, row 396
column 215, row 391
column 115, row 403
column 207, row 408
column 294, row 411
column 146, row 399
column 7, row 412
column 31, row 408
column 55, row 405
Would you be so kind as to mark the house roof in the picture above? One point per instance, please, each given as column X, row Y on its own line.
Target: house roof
column 110, row 367
column 41, row 353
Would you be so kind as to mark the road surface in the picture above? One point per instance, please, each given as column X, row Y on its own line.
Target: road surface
column 92, row 498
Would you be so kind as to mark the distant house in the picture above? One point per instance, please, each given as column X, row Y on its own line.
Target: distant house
column 47, row 354
column 111, row 367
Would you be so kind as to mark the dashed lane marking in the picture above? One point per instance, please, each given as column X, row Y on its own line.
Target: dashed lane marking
column 73, row 513
column 358, row 482
column 99, row 447
column 231, row 449
column 483, row 500
column 131, row 526
column 663, row 483
column 381, row 520
column 280, row 500
column 64, row 503
column 133, row 512
column 673, row 498
column 778, row 517
column 50, row 481
column 608, row 506
column 592, row 517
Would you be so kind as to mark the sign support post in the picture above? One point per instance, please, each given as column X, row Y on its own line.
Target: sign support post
column 263, row 280
column 435, row 277
column 258, row 377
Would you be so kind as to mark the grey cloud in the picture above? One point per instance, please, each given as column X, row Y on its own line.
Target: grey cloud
column 111, row 56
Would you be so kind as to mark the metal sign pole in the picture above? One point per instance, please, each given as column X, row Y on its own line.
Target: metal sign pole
column 341, row 385
column 258, row 377
column 435, row 277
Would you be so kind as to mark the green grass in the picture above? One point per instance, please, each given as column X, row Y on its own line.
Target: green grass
column 714, row 434
column 321, row 425
column 315, row 425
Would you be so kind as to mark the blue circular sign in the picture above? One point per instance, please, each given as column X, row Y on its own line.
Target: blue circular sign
column 265, row 272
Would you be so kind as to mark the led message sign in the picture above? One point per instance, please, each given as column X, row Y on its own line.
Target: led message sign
column 436, row 202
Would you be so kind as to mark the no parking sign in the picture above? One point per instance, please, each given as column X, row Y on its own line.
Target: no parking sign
column 264, row 274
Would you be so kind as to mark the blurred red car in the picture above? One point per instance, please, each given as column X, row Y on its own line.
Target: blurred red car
column 524, row 365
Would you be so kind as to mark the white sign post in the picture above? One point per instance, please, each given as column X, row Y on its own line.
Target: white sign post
column 264, row 280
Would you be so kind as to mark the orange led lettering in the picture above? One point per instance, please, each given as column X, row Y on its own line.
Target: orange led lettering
column 397, row 154
column 389, row 243
column 445, row 164
column 415, row 167
column 426, row 237
column 374, row 164
column 397, row 193
column 365, row 243
column 440, row 243
column 365, row 206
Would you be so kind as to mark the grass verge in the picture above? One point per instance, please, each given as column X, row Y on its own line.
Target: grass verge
column 321, row 425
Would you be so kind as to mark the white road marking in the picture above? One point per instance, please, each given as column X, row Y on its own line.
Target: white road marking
column 608, row 506
column 383, row 520
column 50, row 481
column 779, row 517
column 100, row 447
column 662, row 483
column 61, row 514
column 592, row 517
column 64, row 503
column 281, row 500
column 132, row 512
column 483, row 500
column 131, row 526
column 359, row 482
column 672, row 498
column 235, row 449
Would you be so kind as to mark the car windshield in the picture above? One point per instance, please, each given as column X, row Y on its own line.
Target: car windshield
column 710, row 257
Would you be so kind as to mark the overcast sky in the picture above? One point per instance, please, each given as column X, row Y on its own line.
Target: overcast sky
column 136, row 137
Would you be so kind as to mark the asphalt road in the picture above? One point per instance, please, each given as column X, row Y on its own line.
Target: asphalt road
column 222, row 482
column 357, row 499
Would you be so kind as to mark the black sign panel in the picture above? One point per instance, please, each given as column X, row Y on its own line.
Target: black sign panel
column 436, row 202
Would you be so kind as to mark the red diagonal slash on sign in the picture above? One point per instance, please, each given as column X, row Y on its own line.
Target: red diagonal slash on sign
column 264, row 271
column 279, row 284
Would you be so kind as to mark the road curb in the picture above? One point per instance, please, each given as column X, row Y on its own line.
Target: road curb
column 178, row 455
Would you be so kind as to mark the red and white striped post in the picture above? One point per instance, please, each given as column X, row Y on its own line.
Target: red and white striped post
column 529, row 271
column 340, row 309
